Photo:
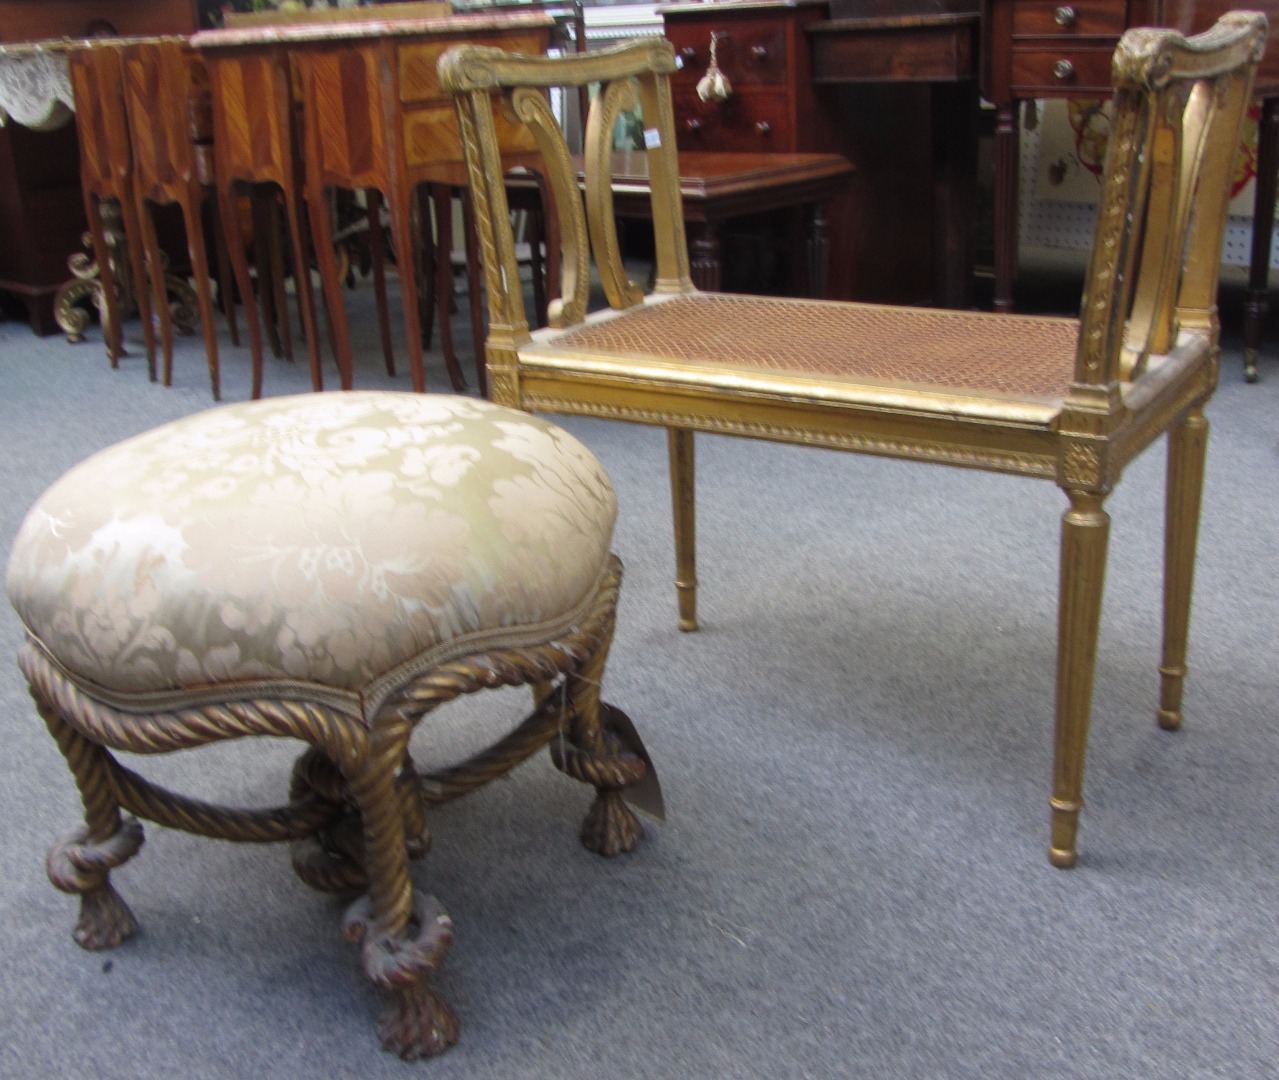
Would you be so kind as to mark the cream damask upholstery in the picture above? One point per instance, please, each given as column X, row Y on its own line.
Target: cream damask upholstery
column 329, row 567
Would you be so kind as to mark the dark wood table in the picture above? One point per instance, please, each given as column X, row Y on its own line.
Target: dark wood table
column 717, row 187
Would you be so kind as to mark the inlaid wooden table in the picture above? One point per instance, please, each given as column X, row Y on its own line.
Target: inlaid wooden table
column 373, row 117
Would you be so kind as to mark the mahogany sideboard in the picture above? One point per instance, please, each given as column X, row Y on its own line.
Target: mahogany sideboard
column 41, row 209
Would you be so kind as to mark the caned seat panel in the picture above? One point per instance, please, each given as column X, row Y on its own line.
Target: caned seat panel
column 1021, row 357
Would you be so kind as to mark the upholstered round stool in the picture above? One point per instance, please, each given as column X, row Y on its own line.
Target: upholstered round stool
column 330, row 568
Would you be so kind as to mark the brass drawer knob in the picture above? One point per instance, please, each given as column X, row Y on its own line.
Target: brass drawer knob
column 1065, row 16
column 688, row 53
column 1064, row 70
column 693, row 124
column 763, row 127
column 759, row 52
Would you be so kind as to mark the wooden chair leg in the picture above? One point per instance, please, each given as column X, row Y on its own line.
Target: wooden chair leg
column 203, row 285
column 155, row 273
column 377, row 256
column 401, row 206
column 443, row 197
column 1187, row 451
column 225, row 291
column 683, row 505
column 302, row 281
column 112, row 332
column 426, row 235
column 269, row 311
column 322, row 238
column 240, row 267
column 141, row 283
column 279, row 295
column 1085, row 530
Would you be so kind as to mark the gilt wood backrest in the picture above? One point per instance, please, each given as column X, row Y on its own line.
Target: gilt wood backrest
column 629, row 76
column 1179, row 107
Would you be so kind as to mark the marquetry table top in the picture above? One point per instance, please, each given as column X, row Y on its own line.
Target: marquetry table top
column 302, row 33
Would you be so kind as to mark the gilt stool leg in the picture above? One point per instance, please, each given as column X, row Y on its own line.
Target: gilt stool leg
column 404, row 936
column 590, row 749
column 1187, row 450
column 81, row 862
column 1085, row 529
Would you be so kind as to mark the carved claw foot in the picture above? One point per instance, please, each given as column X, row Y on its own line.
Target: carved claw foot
column 417, row 1023
column 77, row 867
column 105, row 920
column 611, row 827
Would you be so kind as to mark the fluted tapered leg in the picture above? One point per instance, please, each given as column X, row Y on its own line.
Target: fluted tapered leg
column 1187, row 451
column 1085, row 530
column 683, row 504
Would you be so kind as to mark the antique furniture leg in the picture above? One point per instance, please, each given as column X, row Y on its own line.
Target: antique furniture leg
column 154, row 276
column 109, row 303
column 377, row 255
column 400, row 200
column 1187, row 449
column 1085, row 529
column 298, row 237
column 707, row 268
column 404, row 936
column 81, row 862
column 818, row 252
column 240, row 268
column 330, row 284
column 1257, row 303
column 137, row 271
column 443, row 197
column 684, row 507
column 203, row 284
column 226, row 293
column 1006, row 152
column 266, row 253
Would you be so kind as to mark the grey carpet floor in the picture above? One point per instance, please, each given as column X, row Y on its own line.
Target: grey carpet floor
column 855, row 753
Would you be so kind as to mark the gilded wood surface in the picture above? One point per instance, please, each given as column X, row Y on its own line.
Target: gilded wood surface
column 1069, row 400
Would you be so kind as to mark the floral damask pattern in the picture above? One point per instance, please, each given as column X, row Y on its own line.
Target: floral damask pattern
column 327, row 538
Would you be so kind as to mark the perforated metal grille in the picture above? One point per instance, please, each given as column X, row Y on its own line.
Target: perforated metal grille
column 1022, row 356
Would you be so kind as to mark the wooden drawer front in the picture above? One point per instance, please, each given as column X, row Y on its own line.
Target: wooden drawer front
column 750, row 53
column 431, row 136
column 1069, row 18
column 1048, row 72
column 418, row 80
column 745, row 122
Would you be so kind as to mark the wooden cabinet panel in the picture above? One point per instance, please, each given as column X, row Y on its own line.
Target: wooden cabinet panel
column 1070, row 20
column 745, row 122
column 1055, row 72
column 750, row 53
